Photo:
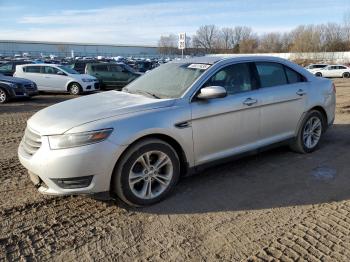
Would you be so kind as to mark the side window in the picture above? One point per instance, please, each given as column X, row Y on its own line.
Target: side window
column 115, row 68
column 50, row 70
column 235, row 78
column 101, row 68
column 32, row 69
column 341, row 67
column 293, row 77
column 271, row 74
column 6, row 67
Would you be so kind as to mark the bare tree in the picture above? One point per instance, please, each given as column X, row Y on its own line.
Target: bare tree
column 206, row 37
column 271, row 43
column 226, row 37
column 167, row 45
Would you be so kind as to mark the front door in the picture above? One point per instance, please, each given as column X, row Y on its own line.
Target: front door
column 225, row 126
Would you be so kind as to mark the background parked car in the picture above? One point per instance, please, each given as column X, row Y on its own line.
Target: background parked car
column 9, row 68
column 334, row 71
column 57, row 78
column 112, row 75
column 315, row 67
column 80, row 65
column 11, row 87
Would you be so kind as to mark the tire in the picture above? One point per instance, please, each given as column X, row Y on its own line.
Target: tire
column 3, row 96
column 319, row 74
column 314, row 125
column 75, row 89
column 135, row 191
column 346, row 75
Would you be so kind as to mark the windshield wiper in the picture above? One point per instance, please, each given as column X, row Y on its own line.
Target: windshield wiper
column 142, row 92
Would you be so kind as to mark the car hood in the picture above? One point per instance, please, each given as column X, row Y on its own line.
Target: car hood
column 15, row 80
column 61, row 117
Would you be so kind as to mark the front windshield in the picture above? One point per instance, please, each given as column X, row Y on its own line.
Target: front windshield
column 129, row 68
column 168, row 80
column 68, row 70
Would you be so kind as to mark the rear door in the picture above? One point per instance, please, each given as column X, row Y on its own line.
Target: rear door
column 33, row 72
column 100, row 71
column 283, row 93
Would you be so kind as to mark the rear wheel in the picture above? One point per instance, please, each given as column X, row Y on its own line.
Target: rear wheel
column 319, row 74
column 309, row 134
column 346, row 75
column 75, row 89
column 3, row 96
column 147, row 173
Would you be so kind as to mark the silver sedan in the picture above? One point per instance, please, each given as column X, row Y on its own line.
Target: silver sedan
column 172, row 121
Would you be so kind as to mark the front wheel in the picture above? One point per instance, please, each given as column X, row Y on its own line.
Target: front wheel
column 309, row 134
column 346, row 75
column 3, row 96
column 318, row 74
column 75, row 89
column 147, row 173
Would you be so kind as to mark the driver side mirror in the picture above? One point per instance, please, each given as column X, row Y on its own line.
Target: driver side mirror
column 211, row 92
column 60, row 73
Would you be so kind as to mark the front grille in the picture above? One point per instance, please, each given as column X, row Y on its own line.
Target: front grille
column 31, row 142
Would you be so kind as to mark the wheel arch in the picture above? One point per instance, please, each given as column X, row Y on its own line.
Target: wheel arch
column 68, row 85
column 184, row 166
column 324, row 114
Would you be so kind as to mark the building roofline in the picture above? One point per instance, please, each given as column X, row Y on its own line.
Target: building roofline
column 73, row 43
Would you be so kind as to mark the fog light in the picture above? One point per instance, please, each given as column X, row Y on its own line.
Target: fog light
column 73, row 182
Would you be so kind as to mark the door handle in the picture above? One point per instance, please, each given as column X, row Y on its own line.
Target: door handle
column 301, row 92
column 249, row 101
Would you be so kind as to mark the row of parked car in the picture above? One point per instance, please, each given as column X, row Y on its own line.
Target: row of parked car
column 325, row 70
column 30, row 78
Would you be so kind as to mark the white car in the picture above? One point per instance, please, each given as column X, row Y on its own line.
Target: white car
column 333, row 71
column 313, row 68
column 57, row 78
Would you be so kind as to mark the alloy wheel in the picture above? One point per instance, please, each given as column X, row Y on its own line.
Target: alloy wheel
column 151, row 174
column 312, row 132
column 2, row 96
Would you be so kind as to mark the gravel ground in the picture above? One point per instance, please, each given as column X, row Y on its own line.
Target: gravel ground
column 277, row 205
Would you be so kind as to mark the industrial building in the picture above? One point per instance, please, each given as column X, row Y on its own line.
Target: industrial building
column 68, row 49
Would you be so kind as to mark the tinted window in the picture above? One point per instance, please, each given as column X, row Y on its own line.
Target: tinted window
column 6, row 67
column 50, row 70
column 271, row 74
column 293, row 77
column 32, row 69
column 101, row 68
column 235, row 78
column 115, row 68
column 341, row 67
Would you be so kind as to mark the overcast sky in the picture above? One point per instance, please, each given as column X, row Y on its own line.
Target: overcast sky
column 142, row 22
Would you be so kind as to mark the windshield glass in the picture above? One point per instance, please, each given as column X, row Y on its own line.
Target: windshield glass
column 68, row 70
column 129, row 68
column 168, row 80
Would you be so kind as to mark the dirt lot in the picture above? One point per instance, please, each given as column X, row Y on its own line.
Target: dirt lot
column 273, row 205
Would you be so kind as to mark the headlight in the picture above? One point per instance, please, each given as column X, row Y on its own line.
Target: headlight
column 79, row 139
column 88, row 80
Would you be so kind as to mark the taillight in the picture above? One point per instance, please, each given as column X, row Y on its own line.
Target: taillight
column 334, row 89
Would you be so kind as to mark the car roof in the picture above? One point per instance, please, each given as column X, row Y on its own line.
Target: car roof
column 213, row 59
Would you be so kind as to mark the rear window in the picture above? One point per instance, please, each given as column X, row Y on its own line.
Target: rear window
column 271, row 74
column 32, row 69
column 293, row 77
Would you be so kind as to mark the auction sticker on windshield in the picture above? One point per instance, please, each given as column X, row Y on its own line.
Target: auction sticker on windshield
column 199, row 66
